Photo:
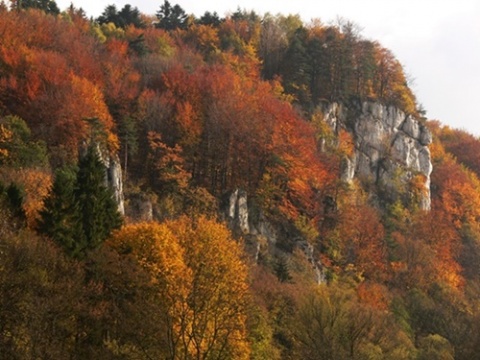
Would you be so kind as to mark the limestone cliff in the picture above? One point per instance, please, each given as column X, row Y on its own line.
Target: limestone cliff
column 391, row 147
column 115, row 181
column 259, row 232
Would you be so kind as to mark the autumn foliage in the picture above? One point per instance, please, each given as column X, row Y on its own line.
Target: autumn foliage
column 196, row 108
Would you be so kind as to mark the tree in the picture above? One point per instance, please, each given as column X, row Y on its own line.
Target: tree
column 201, row 286
column 17, row 149
column 99, row 211
column 272, row 47
column 61, row 219
column 41, row 291
column 49, row 6
column 218, row 296
column 332, row 323
column 109, row 15
column 297, row 78
column 156, row 249
column 128, row 15
column 80, row 212
column 171, row 17
column 210, row 19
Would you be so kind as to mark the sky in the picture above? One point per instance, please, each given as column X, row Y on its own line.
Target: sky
column 437, row 41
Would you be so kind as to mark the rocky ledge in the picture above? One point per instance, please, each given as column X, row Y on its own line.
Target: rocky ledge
column 391, row 147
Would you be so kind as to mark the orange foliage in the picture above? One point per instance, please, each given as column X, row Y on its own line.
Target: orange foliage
column 53, row 80
column 435, row 230
column 464, row 146
column 36, row 183
column 374, row 294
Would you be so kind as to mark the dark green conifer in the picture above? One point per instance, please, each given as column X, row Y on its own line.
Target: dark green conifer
column 171, row 17
column 49, row 6
column 282, row 269
column 80, row 212
column 99, row 210
column 60, row 218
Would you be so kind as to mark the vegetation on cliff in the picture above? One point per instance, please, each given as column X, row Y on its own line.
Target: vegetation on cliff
column 197, row 107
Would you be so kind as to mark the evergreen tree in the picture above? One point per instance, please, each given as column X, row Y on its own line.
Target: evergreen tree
column 11, row 199
column 171, row 17
column 109, row 15
column 297, row 78
column 282, row 269
column 128, row 15
column 99, row 210
column 60, row 218
column 49, row 6
column 210, row 19
column 80, row 212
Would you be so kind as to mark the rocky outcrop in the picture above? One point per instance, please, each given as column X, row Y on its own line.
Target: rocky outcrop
column 235, row 209
column 390, row 146
column 115, row 181
column 113, row 172
column 259, row 232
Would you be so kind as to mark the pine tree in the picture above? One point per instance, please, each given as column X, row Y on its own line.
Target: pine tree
column 60, row 218
column 49, row 6
column 80, row 212
column 171, row 17
column 282, row 269
column 99, row 211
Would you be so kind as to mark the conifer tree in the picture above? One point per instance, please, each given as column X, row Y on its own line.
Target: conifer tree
column 60, row 218
column 171, row 17
column 99, row 211
column 80, row 211
column 49, row 6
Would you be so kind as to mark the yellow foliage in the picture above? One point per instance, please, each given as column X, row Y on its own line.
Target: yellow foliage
column 200, row 277
column 218, row 297
column 6, row 136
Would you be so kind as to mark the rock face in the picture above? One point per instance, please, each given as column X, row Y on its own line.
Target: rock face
column 236, row 210
column 113, row 174
column 391, row 147
column 259, row 231
column 115, row 182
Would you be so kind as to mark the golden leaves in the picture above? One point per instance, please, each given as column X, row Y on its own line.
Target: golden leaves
column 200, row 279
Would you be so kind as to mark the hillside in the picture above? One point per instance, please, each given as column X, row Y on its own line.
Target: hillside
column 248, row 187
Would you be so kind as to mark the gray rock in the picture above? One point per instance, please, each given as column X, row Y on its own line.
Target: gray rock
column 383, row 132
column 237, row 210
column 115, row 182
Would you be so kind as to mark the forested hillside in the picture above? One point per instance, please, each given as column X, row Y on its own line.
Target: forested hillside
column 235, row 230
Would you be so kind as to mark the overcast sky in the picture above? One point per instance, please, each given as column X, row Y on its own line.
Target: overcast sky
column 437, row 41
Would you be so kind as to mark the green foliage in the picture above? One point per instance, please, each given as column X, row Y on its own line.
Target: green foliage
column 128, row 134
column 128, row 15
column 17, row 148
column 333, row 324
column 281, row 268
column 49, row 6
column 80, row 212
column 41, row 293
column 60, row 218
column 171, row 17
column 211, row 19
column 97, row 207
column 12, row 198
column 435, row 347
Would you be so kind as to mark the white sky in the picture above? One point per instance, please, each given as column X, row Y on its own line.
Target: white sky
column 437, row 41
